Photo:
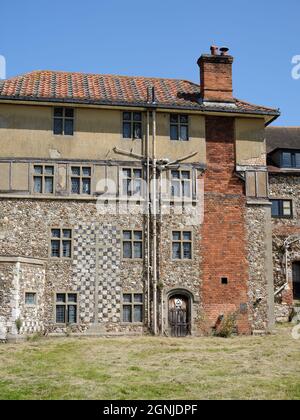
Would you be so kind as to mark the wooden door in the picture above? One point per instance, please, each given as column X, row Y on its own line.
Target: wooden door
column 179, row 318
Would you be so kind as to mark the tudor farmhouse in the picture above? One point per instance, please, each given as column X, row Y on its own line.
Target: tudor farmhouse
column 133, row 205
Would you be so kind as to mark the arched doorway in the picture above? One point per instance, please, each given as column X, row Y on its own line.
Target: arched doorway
column 179, row 312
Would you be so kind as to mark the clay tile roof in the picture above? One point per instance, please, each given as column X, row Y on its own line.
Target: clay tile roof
column 115, row 90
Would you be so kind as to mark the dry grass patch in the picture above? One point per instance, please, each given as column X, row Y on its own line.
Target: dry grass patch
column 153, row 368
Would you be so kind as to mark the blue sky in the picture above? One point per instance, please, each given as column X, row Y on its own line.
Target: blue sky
column 161, row 38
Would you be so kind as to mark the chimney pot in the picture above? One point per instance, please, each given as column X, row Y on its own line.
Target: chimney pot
column 214, row 50
column 224, row 50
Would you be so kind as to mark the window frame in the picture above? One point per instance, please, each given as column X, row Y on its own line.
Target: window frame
column 131, row 122
column 35, row 299
column 132, row 179
column 132, row 242
column 66, row 304
column 293, row 154
column 43, row 177
column 61, row 239
column 81, row 177
column 182, row 241
column 181, row 181
column 132, row 305
column 179, row 124
column 63, row 118
column 281, row 208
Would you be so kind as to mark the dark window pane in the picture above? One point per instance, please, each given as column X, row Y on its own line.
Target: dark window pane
column 138, row 313
column 58, row 126
column 55, row 233
column 67, row 233
column 186, row 187
column 287, row 208
column 86, row 171
column 76, row 170
column 175, row 174
column 127, row 116
column 174, row 118
column 86, row 186
column 58, row 112
column 137, row 173
column 49, row 185
column 297, row 160
column 127, row 313
column 176, row 236
column 72, row 297
column 69, row 112
column 127, row 234
column 55, row 249
column 137, row 187
column 49, row 170
column 30, row 298
column 176, row 251
column 38, row 184
column 175, row 189
column 174, row 132
column 75, row 185
column 287, row 160
column 137, row 130
column 187, row 250
column 60, row 315
column 187, row 236
column 61, row 298
column 138, row 298
column 184, row 119
column 127, row 131
column 186, row 175
column 67, row 249
column 69, row 127
column 127, row 298
column 126, row 187
column 38, row 170
column 72, row 314
column 275, row 208
column 127, row 250
column 184, row 133
column 137, row 116
column 138, row 235
column 138, row 250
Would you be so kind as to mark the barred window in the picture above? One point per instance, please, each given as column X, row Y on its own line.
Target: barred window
column 133, row 308
column 81, row 180
column 43, row 179
column 61, row 243
column 181, row 184
column 132, row 125
column 66, row 308
column 133, row 244
column 182, row 245
column 63, row 123
column 179, row 127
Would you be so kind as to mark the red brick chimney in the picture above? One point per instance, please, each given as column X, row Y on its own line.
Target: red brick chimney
column 216, row 75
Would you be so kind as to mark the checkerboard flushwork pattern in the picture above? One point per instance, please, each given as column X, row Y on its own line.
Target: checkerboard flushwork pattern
column 97, row 259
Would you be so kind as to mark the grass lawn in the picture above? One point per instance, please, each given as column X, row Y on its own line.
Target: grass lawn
column 153, row 368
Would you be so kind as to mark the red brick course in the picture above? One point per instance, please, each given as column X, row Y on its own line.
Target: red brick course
column 224, row 236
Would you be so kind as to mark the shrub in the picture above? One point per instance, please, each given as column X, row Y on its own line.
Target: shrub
column 227, row 327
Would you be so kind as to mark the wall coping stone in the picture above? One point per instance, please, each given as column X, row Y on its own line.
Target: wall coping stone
column 22, row 260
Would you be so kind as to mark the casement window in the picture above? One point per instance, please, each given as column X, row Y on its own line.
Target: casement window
column 30, row 299
column 181, row 245
column 132, row 181
column 81, row 180
column 43, row 179
column 132, row 125
column 66, row 308
column 179, row 127
column 133, row 244
column 290, row 160
column 133, row 308
column 181, row 184
column 63, row 123
column 61, row 243
column 282, row 209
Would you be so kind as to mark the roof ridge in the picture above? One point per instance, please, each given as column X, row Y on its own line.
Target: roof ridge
column 104, row 75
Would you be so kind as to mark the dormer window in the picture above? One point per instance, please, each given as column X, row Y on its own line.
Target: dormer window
column 290, row 160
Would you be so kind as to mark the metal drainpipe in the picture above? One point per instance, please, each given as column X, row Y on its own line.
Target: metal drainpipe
column 148, row 221
column 154, row 218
